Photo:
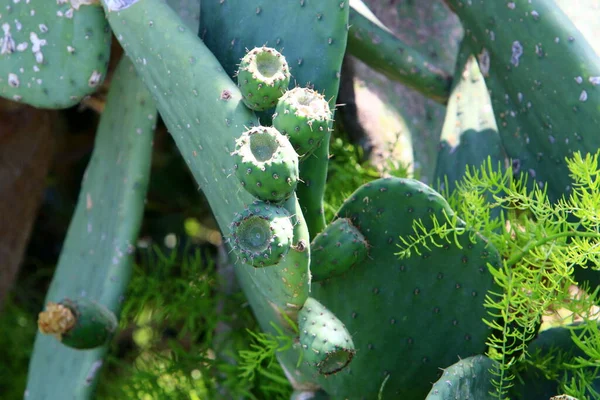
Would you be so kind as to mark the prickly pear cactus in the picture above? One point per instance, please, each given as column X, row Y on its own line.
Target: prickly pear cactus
column 420, row 303
column 543, row 79
column 52, row 52
column 468, row 379
column 96, row 260
column 229, row 28
column 470, row 134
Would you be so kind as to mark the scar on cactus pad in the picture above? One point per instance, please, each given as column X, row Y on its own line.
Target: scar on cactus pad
column 266, row 164
column 262, row 234
column 263, row 76
column 80, row 324
column 326, row 343
column 304, row 115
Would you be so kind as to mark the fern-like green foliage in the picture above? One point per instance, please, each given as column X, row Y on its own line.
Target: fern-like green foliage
column 541, row 244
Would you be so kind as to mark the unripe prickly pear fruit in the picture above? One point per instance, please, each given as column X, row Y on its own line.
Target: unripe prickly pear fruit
column 335, row 250
column 325, row 341
column 263, row 76
column 304, row 116
column 80, row 324
column 262, row 234
column 266, row 164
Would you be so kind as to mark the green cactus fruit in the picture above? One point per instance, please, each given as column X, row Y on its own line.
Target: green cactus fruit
column 421, row 302
column 266, row 164
column 335, row 250
column 52, row 52
column 326, row 343
column 80, row 324
column 263, row 77
column 468, row 379
column 262, row 234
column 97, row 257
column 304, row 115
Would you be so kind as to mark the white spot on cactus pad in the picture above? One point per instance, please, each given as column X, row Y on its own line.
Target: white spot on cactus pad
column 94, row 78
column 36, row 47
column 511, row 5
column 7, row 43
column 13, row 80
column 595, row 80
column 583, row 96
column 117, row 5
column 517, row 52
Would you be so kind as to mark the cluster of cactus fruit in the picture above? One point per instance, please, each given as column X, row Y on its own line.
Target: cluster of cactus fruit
column 369, row 323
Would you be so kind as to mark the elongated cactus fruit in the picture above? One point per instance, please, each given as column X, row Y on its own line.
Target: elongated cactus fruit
column 266, row 164
column 375, row 45
column 421, row 302
column 52, row 52
column 80, row 324
column 263, row 76
column 262, row 234
column 325, row 341
column 468, row 379
column 337, row 249
column 304, row 115
column 97, row 257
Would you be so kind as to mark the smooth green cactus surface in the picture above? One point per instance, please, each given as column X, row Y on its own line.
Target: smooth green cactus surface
column 266, row 164
column 230, row 27
column 468, row 379
column 52, row 52
column 97, row 256
column 304, row 115
column 470, row 134
column 420, row 303
column 337, row 249
column 80, row 324
column 543, row 79
column 326, row 343
column 263, row 76
column 375, row 45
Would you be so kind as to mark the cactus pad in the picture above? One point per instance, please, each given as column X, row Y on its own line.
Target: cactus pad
column 262, row 234
column 266, row 164
column 80, row 324
column 52, row 52
column 468, row 379
column 430, row 305
column 325, row 341
column 335, row 250
column 263, row 77
column 304, row 115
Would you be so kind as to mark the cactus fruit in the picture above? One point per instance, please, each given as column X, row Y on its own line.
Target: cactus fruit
column 468, row 379
column 263, row 76
column 326, row 343
column 262, row 234
column 97, row 257
column 80, row 324
column 52, row 52
column 266, row 164
column 304, row 115
column 228, row 28
column 335, row 250
column 443, row 288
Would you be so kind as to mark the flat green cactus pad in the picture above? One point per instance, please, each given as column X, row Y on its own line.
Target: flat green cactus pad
column 408, row 317
column 544, row 82
column 97, row 256
column 52, row 52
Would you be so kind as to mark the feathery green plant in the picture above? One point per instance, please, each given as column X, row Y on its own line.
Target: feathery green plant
column 540, row 242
